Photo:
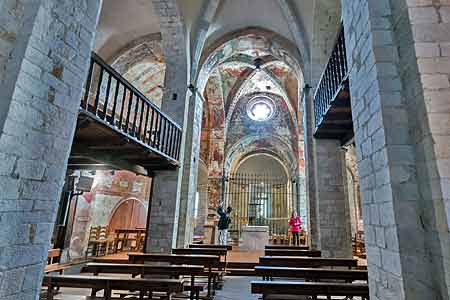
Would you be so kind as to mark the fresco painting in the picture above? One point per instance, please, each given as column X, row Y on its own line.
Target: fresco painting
column 229, row 81
column 96, row 207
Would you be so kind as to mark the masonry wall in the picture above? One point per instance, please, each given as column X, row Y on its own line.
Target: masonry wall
column 404, row 221
column 423, row 44
column 332, row 208
column 48, row 43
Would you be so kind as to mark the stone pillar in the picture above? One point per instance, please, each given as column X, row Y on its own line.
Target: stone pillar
column 172, row 208
column 44, row 58
column 165, row 206
column 401, row 121
column 308, row 126
column 332, row 208
column 163, row 212
column 190, row 172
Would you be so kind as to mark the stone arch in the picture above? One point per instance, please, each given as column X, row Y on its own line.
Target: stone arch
column 327, row 17
column 268, row 143
column 235, row 166
column 142, row 63
column 174, row 45
column 280, row 48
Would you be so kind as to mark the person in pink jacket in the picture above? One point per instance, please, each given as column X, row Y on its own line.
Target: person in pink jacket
column 295, row 222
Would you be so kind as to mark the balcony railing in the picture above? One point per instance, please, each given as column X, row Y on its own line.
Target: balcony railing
column 334, row 79
column 114, row 101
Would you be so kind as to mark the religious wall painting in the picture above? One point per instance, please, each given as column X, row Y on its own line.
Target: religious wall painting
column 217, row 117
column 214, row 192
column 216, row 158
column 94, row 208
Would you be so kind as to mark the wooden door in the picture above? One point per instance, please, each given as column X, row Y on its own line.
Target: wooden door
column 129, row 214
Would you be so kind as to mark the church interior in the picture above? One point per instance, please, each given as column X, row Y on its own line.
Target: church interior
column 225, row 149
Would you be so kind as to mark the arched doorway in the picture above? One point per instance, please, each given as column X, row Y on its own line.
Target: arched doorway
column 128, row 214
column 261, row 193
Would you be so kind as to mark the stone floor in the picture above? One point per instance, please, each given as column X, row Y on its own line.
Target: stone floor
column 236, row 288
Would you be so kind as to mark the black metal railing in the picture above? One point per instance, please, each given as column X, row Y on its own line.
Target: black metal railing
column 112, row 99
column 333, row 79
column 260, row 200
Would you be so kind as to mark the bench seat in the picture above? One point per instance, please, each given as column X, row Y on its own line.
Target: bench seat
column 97, row 283
column 314, row 289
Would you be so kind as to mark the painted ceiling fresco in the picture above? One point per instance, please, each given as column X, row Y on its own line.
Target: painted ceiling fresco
column 143, row 65
column 281, row 124
column 232, row 80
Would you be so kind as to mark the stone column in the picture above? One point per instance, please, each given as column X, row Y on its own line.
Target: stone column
column 401, row 121
column 172, row 207
column 332, row 207
column 308, row 127
column 190, row 172
column 44, row 58
column 165, row 206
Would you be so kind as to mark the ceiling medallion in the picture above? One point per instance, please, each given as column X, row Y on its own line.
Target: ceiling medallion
column 260, row 108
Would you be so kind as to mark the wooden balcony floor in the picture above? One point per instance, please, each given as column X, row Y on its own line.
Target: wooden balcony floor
column 98, row 145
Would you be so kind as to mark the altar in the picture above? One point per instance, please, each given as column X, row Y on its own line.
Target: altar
column 254, row 237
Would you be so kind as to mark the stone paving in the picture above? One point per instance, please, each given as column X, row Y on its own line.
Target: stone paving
column 236, row 288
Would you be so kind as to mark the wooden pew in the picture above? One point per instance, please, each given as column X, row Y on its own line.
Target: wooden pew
column 287, row 247
column 241, row 268
column 311, row 274
column 108, row 284
column 53, row 264
column 307, row 262
column 208, row 261
column 207, row 246
column 313, row 289
column 283, row 252
column 204, row 251
column 143, row 269
column 200, row 251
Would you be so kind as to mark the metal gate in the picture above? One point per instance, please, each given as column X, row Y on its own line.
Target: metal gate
column 259, row 200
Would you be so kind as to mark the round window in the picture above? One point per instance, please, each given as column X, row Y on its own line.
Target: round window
column 260, row 109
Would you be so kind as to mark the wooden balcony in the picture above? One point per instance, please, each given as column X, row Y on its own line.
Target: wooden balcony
column 332, row 107
column 119, row 128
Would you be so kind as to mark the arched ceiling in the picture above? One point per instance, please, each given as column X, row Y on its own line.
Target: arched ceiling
column 235, row 14
column 142, row 63
column 253, row 144
column 122, row 21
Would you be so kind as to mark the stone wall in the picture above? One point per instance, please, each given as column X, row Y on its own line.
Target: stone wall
column 48, row 47
column 406, row 230
column 165, row 206
column 332, row 209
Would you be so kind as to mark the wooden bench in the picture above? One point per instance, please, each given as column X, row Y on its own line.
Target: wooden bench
column 201, row 251
column 107, row 284
column 208, row 246
column 311, row 274
column 204, row 251
column 143, row 269
column 208, row 261
column 275, row 289
column 53, row 258
column 241, row 268
column 283, row 252
column 307, row 262
column 287, row 247
column 55, row 266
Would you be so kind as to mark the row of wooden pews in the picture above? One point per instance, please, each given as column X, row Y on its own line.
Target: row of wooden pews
column 162, row 275
column 292, row 273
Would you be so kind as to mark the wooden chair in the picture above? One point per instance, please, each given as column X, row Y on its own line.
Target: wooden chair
column 92, row 241
column 104, row 241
